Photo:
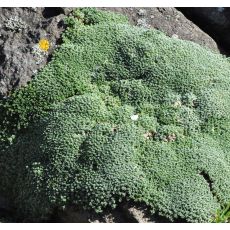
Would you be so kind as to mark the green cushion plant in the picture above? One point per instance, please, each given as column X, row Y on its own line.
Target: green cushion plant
column 69, row 137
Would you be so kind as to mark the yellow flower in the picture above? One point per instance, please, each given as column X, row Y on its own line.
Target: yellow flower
column 44, row 44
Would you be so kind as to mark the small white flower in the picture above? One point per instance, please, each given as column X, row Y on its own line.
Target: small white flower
column 134, row 117
column 175, row 36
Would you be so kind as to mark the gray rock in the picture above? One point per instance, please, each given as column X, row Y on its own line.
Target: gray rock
column 75, row 215
column 168, row 20
column 140, row 213
column 126, row 212
column 20, row 32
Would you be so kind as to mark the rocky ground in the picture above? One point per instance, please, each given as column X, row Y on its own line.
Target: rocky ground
column 20, row 58
column 20, row 31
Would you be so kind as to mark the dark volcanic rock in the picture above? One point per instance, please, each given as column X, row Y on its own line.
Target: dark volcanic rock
column 4, row 204
column 20, row 31
column 168, row 20
column 6, row 210
column 213, row 20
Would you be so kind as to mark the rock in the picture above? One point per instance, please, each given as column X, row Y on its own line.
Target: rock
column 20, row 32
column 6, row 211
column 215, row 21
column 74, row 215
column 5, row 204
column 168, row 20
column 126, row 212
column 140, row 213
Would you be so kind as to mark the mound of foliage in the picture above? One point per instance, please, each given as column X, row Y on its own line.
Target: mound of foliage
column 69, row 137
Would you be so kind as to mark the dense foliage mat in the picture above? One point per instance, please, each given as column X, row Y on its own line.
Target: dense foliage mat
column 120, row 112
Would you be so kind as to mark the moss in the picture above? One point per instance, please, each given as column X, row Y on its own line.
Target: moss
column 68, row 137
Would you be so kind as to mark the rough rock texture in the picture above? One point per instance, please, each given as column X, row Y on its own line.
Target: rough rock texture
column 4, row 204
column 73, row 215
column 168, row 20
column 140, row 213
column 126, row 212
column 6, row 211
column 215, row 21
column 20, row 31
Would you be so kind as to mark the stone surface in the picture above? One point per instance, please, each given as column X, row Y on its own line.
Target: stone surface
column 4, row 204
column 168, row 20
column 126, row 212
column 20, row 31
column 6, row 211
column 74, row 215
